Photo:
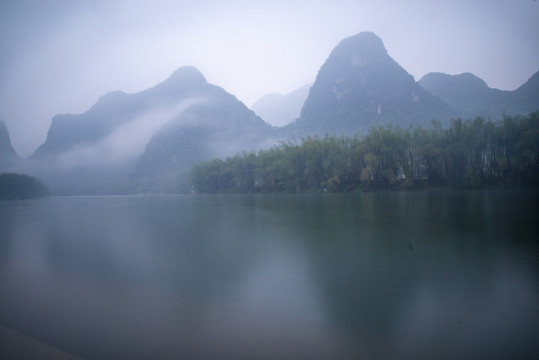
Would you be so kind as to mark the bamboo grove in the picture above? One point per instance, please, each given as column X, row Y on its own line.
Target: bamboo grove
column 466, row 154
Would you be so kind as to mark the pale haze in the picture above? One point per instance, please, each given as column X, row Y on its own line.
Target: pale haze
column 60, row 56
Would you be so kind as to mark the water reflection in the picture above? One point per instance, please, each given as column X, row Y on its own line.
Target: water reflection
column 428, row 272
column 389, row 275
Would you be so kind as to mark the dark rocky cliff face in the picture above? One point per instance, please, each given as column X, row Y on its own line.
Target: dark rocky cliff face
column 360, row 86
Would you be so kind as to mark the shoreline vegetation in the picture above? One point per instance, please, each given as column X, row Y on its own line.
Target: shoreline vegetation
column 468, row 154
column 21, row 186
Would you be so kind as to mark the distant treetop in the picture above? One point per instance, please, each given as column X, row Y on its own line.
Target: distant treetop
column 20, row 186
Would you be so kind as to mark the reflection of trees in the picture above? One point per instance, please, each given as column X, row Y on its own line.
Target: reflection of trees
column 351, row 249
column 371, row 278
column 149, row 253
column 120, row 275
column 167, row 243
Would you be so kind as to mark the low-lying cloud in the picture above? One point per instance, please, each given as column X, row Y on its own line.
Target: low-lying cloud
column 126, row 143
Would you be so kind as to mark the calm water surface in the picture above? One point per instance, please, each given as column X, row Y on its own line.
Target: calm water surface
column 375, row 276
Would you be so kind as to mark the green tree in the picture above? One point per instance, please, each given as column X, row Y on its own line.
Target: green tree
column 467, row 154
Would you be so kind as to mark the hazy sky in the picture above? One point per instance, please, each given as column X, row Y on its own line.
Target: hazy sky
column 60, row 56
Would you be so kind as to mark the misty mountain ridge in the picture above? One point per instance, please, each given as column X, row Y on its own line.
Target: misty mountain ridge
column 473, row 97
column 153, row 133
column 360, row 86
column 218, row 127
column 147, row 141
column 118, row 108
column 280, row 110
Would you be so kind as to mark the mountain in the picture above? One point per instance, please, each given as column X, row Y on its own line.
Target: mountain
column 116, row 109
column 360, row 86
column 8, row 156
column 147, row 141
column 473, row 97
column 527, row 95
column 280, row 110
column 218, row 127
column 157, row 132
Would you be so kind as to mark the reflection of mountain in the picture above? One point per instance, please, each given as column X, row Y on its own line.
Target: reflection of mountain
column 296, row 273
column 279, row 110
column 351, row 250
column 473, row 97
column 412, row 268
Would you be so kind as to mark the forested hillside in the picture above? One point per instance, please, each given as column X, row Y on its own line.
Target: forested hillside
column 467, row 154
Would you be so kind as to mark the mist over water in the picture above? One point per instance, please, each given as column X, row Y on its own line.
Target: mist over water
column 383, row 275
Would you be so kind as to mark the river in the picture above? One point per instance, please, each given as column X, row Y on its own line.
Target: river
column 397, row 275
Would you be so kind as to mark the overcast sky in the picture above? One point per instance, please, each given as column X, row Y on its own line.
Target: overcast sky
column 60, row 56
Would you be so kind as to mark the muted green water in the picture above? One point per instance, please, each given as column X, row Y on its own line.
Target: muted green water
column 384, row 275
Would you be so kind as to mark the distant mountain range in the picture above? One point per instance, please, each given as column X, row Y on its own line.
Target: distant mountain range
column 360, row 86
column 147, row 141
column 280, row 110
column 472, row 97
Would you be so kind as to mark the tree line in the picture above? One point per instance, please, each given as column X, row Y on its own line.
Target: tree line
column 21, row 186
column 467, row 154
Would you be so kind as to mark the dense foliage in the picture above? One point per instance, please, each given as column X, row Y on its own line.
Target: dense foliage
column 467, row 154
column 20, row 186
